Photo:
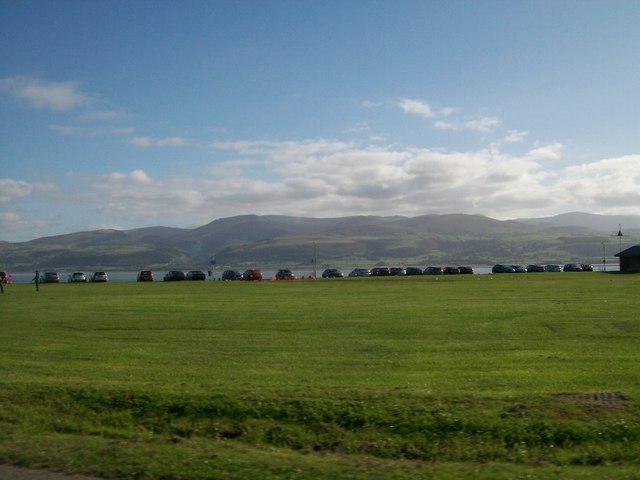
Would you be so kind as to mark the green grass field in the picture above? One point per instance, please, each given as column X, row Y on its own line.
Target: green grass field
column 484, row 376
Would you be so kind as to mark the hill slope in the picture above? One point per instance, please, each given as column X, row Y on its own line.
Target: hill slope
column 367, row 240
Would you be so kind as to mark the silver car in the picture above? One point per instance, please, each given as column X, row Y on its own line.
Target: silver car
column 360, row 272
column 50, row 277
column 99, row 277
column 78, row 277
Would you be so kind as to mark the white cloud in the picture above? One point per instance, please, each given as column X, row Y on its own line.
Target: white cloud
column 101, row 115
column 447, row 111
column 416, row 107
column 10, row 221
column 91, row 132
column 149, row 142
column 136, row 177
column 612, row 184
column 483, row 124
column 57, row 96
column 515, row 136
column 440, row 125
column 141, row 197
column 281, row 151
column 553, row 152
column 11, row 189
column 369, row 104
column 14, row 193
column 69, row 129
column 359, row 128
column 320, row 177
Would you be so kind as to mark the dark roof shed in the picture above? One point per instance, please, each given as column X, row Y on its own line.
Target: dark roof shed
column 630, row 259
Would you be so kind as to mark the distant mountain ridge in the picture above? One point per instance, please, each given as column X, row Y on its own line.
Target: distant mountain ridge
column 604, row 223
column 254, row 240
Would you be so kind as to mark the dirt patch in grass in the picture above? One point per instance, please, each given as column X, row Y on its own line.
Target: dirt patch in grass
column 608, row 399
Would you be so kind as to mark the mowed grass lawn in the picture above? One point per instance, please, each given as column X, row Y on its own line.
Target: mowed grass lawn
column 488, row 376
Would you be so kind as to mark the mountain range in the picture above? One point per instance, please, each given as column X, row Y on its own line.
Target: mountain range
column 273, row 240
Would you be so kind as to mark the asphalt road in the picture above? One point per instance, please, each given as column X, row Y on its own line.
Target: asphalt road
column 17, row 473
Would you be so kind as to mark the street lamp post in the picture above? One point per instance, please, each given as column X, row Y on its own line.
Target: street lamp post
column 315, row 260
column 620, row 235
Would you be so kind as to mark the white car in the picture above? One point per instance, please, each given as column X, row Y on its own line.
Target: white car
column 78, row 277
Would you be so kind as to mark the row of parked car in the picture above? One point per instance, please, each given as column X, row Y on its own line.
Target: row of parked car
column 75, row 277
column 143, row 276
column 569, row 267
column 256, row 274
column 400, row 271
column 462, row 270
column 286, row 274
column 172, row 276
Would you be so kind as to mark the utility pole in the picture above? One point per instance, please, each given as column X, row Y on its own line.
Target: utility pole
column 315, row 260
column 620, row 235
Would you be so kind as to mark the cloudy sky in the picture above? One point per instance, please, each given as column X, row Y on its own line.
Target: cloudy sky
column 122, row 114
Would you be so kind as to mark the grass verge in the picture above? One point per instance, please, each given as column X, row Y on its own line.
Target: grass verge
column 489, row 377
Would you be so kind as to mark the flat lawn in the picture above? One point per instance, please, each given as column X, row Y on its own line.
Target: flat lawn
column 485, row 376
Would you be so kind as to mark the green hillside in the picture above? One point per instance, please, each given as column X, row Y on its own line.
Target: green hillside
column 277, row 240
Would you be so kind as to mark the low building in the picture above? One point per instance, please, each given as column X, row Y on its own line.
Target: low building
column 630, row 259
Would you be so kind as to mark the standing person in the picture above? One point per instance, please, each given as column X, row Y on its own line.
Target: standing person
column 37, row 280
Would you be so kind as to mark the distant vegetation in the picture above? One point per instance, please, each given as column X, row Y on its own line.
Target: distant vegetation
column 252, row 240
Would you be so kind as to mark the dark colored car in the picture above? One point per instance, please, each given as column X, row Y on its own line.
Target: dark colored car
column 285, row 274
column 572, row 267
column 145, row 276
column 586, row 267
column 5, row 278
column 466, row 270
column 450, row 270
column 502, row 269
column 552, row 268
column 360, row 272
column 433, row 271
column 518, row 269
column 332, row 273
column 380, row 272
column 397, row 271
column 50, row 277
column 231, row 275
column 196, row 275
column 252, row 274
column 535, row 268
column 413, row 271
column 174, row 276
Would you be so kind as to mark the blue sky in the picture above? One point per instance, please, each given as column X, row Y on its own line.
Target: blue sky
column 123, row 114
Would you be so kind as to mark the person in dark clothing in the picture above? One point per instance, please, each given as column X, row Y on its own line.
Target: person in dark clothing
column 37, row 280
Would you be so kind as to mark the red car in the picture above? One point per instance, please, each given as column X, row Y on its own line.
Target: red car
column 252, row 274
column 5, row 278
column 145, row 276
